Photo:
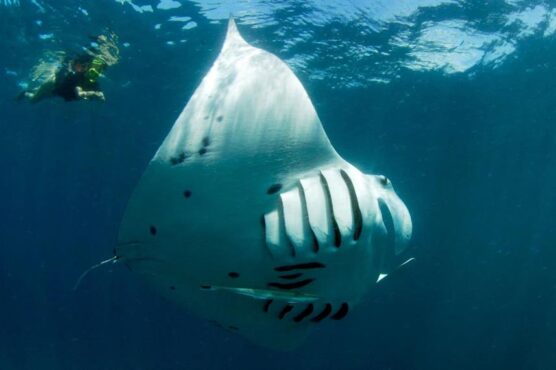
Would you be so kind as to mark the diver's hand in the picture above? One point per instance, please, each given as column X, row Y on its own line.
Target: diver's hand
column 92, row 94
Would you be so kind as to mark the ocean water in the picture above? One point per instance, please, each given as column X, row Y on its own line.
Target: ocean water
column 455, row 101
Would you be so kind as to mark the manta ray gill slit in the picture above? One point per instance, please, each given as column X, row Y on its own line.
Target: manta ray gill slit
column 357, row 217
column 328, row 196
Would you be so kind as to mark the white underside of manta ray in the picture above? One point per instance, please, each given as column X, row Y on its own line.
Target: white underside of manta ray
column 246, row 214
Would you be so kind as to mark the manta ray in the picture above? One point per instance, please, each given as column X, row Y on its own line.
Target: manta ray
column 247, row 216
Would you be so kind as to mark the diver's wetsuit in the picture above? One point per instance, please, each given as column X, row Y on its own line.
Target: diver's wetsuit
column 68, row 81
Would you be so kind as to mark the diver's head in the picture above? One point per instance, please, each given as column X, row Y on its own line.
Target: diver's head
column 79, row 67
column 80, row 64
column 395, row 217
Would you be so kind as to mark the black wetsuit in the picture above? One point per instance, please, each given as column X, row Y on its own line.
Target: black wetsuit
column 68, row 81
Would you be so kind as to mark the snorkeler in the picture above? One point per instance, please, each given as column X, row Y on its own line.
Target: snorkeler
column 73, row 78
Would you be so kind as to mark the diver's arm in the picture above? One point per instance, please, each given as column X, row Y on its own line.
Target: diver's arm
column 89, row 94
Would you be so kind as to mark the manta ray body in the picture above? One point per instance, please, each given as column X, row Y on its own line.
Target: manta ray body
column 246, row 214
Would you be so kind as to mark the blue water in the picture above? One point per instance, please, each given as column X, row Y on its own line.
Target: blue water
column 455, row 101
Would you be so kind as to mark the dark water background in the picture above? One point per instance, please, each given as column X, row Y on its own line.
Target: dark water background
column 472, row 153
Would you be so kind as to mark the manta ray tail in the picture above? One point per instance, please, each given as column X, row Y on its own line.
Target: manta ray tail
column 86, row 272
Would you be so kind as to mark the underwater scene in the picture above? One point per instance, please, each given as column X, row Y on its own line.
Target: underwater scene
column 256, row 184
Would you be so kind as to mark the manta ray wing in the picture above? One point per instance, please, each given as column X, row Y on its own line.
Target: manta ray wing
column 250, row 109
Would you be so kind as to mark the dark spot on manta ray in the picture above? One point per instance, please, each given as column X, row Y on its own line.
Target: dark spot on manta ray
column 233, row 275
column 341, row 313
column 231, row 327
column 178, row 159
column 219, row 118
column 202, row 151
column 187, row 193
column 303, row 314
column 206, row 141
column 324, row 313
column 300, row 266
column 287, row 308
column 206, row 117
column 267, row 305
column 172, row 287
column 289, row 286
column 206, row 287
column 153, row 230
column 274, row 188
